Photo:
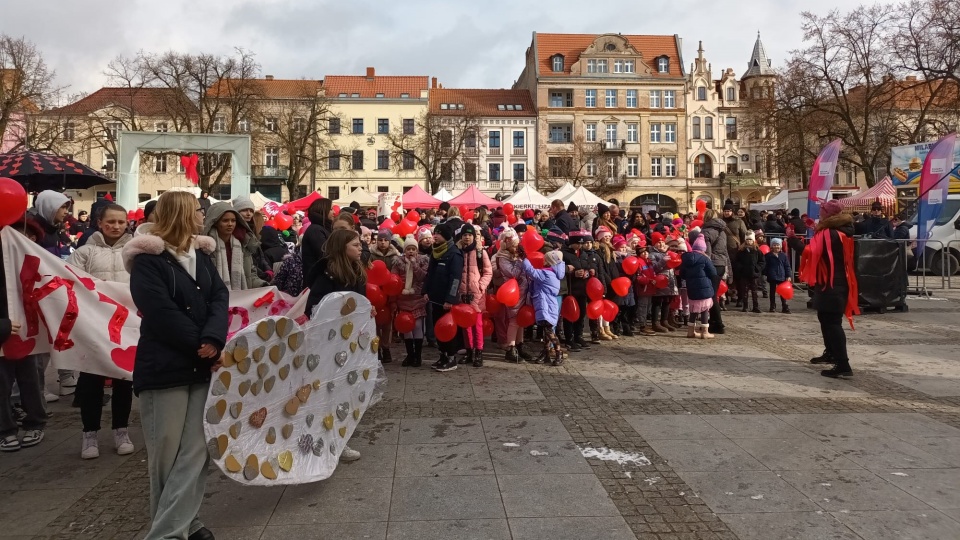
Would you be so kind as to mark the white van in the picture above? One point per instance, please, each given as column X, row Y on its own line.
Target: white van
column 945, row 240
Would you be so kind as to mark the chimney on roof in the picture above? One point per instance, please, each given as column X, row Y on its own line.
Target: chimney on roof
column 269, row 77
column 911, row 78
column 433, row 82
column 371, row 73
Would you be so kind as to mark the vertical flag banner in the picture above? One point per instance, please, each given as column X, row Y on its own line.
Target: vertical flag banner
column 821, row 177
column 933, row 187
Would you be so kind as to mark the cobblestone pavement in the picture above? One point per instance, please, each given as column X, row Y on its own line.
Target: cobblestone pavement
column 649, row 437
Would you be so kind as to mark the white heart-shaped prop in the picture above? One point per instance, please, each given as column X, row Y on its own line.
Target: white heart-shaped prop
column 315, row 408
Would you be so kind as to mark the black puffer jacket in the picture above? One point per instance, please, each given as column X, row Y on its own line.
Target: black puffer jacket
column 444, row 275
column 323, row 283
column 579, row 260
column 748, row 263
column 5, row 323
column 179, row 313
column 311, row 246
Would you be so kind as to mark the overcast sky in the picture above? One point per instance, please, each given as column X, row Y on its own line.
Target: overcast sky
column 465, row 44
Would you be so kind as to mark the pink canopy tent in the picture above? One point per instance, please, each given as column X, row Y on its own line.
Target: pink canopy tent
column 473, row 197
column 882, row 192
column 304, row 203
column 416, row 197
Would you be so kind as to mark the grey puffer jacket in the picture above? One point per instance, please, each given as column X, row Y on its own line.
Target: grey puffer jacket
column 714, row 231
column 102, row 260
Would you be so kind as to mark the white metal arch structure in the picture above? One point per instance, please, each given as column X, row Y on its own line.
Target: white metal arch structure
column 131, row 143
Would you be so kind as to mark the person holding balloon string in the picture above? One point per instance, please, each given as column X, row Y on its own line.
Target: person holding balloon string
column 577, row 275
column 664, row 281
column 507, row 264
column 645, row 289
column 628, row 266
column 442, row 288
column 698, row 273
column 384, row 250
column 544, row 290
column 777, row 270
column 411, row 304
column 475, row 278
column 607, row 271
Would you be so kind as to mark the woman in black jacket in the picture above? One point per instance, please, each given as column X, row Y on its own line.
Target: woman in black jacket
column 183, row 306
column 312, row 244
column 442, row 288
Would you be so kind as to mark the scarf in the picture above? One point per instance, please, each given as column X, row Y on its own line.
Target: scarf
column 231, row 271
column 408, row 277
column 814, row 271
column 441, row 250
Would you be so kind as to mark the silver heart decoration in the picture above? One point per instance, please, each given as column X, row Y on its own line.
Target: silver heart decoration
column 330, row 386
column 363, row 340
column 241, row 342
column 333, row 448
column 343, row 410
column 305, row 443
column 309, row 419
column 214, row 448
column 352, row 377
column 218, row 389
column 283, row 348
column 312, row 362
column 362, row 396
column 331, row 335
column 340, row 358
column 318, row 447
column 213, row 417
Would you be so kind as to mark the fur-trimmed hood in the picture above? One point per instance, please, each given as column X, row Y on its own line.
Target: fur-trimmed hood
column 842, row 222
column 154, row 245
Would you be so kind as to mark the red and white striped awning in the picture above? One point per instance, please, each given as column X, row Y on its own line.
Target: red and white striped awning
column 883, row 191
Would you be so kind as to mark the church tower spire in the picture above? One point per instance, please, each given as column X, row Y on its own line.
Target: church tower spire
column 759, row 64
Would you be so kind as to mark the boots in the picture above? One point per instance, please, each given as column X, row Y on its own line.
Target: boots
column 411, row 354
column 467, row 358
column 446, row 363
column 665, row 321
column 512, row 356
column 386, row 358
column 626, row 325
column 417, row 352
column 825, row 358
column 524, row 355
column 671, row 322
column 604, row 333
column 478, row 358
column 705, row 332
column 840, row 371
column 692, row 331
column 647, row 330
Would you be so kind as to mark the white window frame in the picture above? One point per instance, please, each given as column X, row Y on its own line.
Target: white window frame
column 113, row 130
column 656, row 99
column 610, row 133
column 590, row 131
column 271, row 154
column 632, row 100
column 271, row 124
column 670, row 167
column 669, row 99
column 69, row 131
column 633, row 133
column 219, row 124
column 243, row 125
column 701, row 93
column 663, row 65
column 557, row 64
column 670, row 133
column 161, row 127
column 610, row 98
column 629, row 66
column 160, row 164
column 591, row 168
column 590, row 98
column 633, row 167
column 731, row 93
column 655, row 131
column 656, row 166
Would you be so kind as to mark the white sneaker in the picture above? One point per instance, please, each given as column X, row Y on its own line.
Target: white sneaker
column 68, row 380
column 122, row 442
column 91, row 448
column 50, row 397
column 349, row 454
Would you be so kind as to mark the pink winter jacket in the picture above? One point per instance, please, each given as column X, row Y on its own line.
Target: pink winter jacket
column 504, row 269
column 475, row 281
column 416, row 302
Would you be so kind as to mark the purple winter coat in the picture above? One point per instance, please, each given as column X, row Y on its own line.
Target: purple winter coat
column 544, row 288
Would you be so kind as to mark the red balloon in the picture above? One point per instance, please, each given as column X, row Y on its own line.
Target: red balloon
column 393, row 286
column 660, row 281
column 610, row 310
column 493, row 305
column 621, row 286
column 388, row 224
column 722, row 288
column 531, row 241
column 395, row 216
column 594, row 289
column 570, row 309
column 404, row 322
column 764, row 249
column 273, row 224
column 383, row 316
column 508, row 208
column 413, row 216
column 701, row 205
column 509, row 293
column 536, row 259
column 464, row 315
column 445, row 329
column 139, row 214
column 673, row 260
column 696, row 223
column 468, row 215
column 13, row 201
column 375, row 295
column 378, row 273
column 131, row 215
column 595, row 309
column 282, row 222
column 487, row 327
column 630, row 264
column 336, row 210
column 511, row 218
column 404, row 228
column 785, row 290
column 526, row 316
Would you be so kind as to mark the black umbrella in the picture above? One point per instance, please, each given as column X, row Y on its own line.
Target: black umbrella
column 38, row 172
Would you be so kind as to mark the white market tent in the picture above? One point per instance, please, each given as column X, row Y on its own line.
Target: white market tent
column 528, row 198
column 562, row 192
column 361, row 196
column 581, row 197
column 777, row 202
column 259, row 199
column 443, row 195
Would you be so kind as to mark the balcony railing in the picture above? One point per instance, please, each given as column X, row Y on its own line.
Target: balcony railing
column 519, row 151
column 493, row 151
column 265, row 171
column 614, row 145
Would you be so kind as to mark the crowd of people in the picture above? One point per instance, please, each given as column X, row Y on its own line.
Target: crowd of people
column 534, row 285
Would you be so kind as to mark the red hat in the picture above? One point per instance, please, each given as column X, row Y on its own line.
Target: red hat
column 656, row 237
column 528, row 214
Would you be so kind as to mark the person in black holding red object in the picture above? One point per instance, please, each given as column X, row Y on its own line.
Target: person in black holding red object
column 442, row 288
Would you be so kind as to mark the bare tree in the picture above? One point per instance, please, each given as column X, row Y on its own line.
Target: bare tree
column 926, row 38
column 442, row 146
column 582, row 163
column 26, row 86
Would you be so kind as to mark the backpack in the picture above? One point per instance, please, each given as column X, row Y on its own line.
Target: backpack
column 289, row 278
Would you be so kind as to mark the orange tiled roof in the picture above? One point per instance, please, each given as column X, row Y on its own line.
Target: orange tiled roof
column 571, row 45
column 7, row 79
column 270, row 88
column 482, row 102
column 391, row 86
column 913, row 94
column 142, row 101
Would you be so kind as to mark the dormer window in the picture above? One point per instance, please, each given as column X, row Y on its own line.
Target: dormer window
column 701, row 93
column 731, row 93
column 611, row 47
column 663, row 65
column 557, row 63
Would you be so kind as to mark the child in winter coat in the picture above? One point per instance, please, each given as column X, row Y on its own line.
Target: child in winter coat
column 664, row 295
column 598, row 270
column 698, row 272
column 747, row 267
column 628, row 302
column 544, row 288
column 776, row 268
column 644, row 290
column 508, row 264
column 608, row 271
column 477, row 273
column 412, row 269
column 579, row 270
column 384, row 250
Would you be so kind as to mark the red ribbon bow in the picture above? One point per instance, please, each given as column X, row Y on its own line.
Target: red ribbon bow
column 189, row 164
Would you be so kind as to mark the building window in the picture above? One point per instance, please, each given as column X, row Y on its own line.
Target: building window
column 654, row 133
column 663, row 64
column 655, row 166
column 591, row 168
column 446, row 139
column 333, row 160
column 69, row 131
column 623, row 66
column 357, row 160
column 493, row 140
column 670, row 133
column 408, row 126
column 560, row 166
column 470, row 141
column 271, row 156
column 383, row 189
column 161, row 127
column 561, row 99
column 703, row 166
column 596, row 66
column 470, row 172
column 271, row 124
column 333, row 192
column 219, row 124
column 243, row 126
column 632, row 135
column 160, row 165
column 560, row 133
column 383, row 126
column 493, row 172
column 611, row 99
column 333, row 126
column 733, row 165
column 519, row 172
column 633, row 167
column 518, row 139
column 611, row 133
column 731, row 127
column 557, row 63
column 696, row 127
column 408, row 160
column 590, row 98
column 731, row 93
column 632, row 98
column 591, row 133
column 708, row 127
column 669, row 99
column 446, row 171
column 383, row 160
column 358, row 126
column 670, row 167
column 113, row 130
column 613, row 168
column 299, row 124
column 109, row 162
column 655, row 99
column 701, row 93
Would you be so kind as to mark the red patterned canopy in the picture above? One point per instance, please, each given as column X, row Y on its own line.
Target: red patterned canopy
column 38, row 172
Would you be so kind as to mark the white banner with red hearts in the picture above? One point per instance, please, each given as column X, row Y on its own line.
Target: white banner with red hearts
column 91, row 325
